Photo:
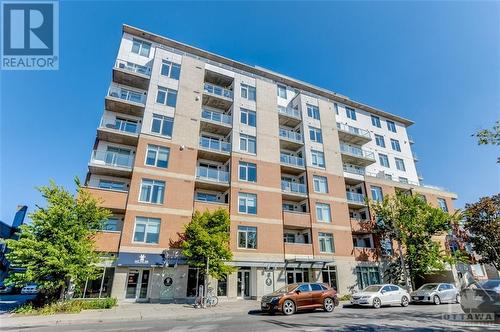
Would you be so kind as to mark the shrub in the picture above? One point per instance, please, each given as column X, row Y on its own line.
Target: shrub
column 71, row 306
column 345, row 297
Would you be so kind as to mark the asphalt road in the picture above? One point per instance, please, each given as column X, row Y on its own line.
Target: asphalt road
column 412, row 318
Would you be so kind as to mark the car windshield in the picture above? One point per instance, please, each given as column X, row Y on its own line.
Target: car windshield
column 372, row 289
column 428, row 287
column 287, row 288
column 491, row 284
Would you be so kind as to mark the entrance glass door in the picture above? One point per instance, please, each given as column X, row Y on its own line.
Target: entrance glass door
column 137, row 284
column 243, row 284
column 330, row 276
column 143, row 290
column 133, row 278
column 296, row 276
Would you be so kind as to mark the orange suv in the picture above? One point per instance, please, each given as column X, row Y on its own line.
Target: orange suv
column 293, row 297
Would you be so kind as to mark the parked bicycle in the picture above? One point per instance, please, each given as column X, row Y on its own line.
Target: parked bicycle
column 211, row 299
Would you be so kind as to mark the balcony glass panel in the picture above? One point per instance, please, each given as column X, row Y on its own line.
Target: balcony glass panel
column 356, row 151
column 126, row 94
column 216, row 117
column 111, row 158
column 215, row 145
column 355, row 197
column 218, row 90
column 207, row 173
column 289, row 112
column 291, row 135
column 292, row 160
column 353, row 130
column 133, row 67
column 293, row 187
column 120, row 125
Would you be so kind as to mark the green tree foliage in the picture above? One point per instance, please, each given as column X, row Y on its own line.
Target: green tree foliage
column 482, row 222
column 489, row 136
column 57, row 246
column 207, row 235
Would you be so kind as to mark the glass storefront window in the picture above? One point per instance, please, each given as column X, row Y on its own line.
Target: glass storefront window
column 96, row 288
column 367, row 275
column 222, row 287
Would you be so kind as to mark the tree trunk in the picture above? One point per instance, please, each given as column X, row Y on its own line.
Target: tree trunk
column 403, row 264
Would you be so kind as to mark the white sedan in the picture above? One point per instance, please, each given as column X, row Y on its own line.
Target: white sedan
column 379, row 295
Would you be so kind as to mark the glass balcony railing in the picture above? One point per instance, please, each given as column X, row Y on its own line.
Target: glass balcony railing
column 216, row 117
column 291, row 135
column 126, row 94
column 353, row 130
column 358, row 152
column 215, row 145
column 292, row 160
column 354, row 170
column 120, row 125
column 355, row 197
column 292, row 187
column 110, row 158
column 289, row 112
column 218, row 90
column 133, row 67
column 210, row 174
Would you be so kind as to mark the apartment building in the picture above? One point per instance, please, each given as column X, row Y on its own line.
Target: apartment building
column 184, row 129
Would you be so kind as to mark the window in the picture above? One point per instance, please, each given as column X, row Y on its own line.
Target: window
column 386, row 246
column 248, row 172
column 316, row 287
column 304, row 288
column 248, row 92
column 384, row 161
column 247, row 117
column 391, row 126
column 222, row 286
column 247, row 203
column 170, row 69
column 152, row 191
column 367, row 276
column 111, row 224
column 422, row 197
column 323, row 212
column 121, row 124
column 162, row 125
column 313, row 111
column 147, row 230
column 113, row 185
column 377, row 194
column 247, row 143
column 379, row 140
column 282, row 91
column 336, row 107
column 318, row 158
column 376, row 121
column 326, row 242
column 141, row 47
column 351, row 113
column 403, row 180
column 442, row 204
column 320, row 184
column 157, row 156
column 289, row 237
column 400, row 164
column 206, row 197
column 247, row 237
column 315, row 135
column 362, row 241
column 166, row 96
column 395, row 145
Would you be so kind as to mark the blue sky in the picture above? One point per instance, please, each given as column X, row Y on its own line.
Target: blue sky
column 435, row 63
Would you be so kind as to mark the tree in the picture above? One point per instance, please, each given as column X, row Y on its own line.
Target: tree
column 57, row 247
column 487, row 136
column 482, row 222
column 413, row 224
column 206, row 238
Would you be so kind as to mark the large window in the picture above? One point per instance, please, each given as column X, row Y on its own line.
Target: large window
column 315, row 135
column 248, row 143
column 282, row 91
column 206, row 197
column 377, row 194
column 147, row 230
column 362, row 241
column 113, row 185
column 376, row 121
column 170, row 69
column 152, row 191
column 141, row 47
column 313, row 111
column 336, row 107
column 395, row 145
column 391, row 126
column 351, row 113
column 318, row 158
column 384, row 161
column 247, row 203
column 320, row 184
column 379, row 140
column 326, row 242
column 157, row 156
column 111, row 224
column 162, row 125
column 367, row 275
column 442, row 204
column 166, row 96
column 248, row 117
column 248, row 92
column 248, row 172
column 323, row 212
column 247, row 237
column 400, row 164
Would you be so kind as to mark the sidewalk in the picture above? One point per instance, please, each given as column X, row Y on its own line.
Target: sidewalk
column 130, row 311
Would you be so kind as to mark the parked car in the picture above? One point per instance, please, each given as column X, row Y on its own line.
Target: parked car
column 436, row 293
column 481, row 297
column 299, row 296
column 379, row 295
column 30, row 289
column 6, row 289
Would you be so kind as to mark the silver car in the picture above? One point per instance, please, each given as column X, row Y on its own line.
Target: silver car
column 379, row 295
column 436, row 293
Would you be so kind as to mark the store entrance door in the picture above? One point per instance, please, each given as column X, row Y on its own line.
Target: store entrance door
column 243, row 290
column 137, row 285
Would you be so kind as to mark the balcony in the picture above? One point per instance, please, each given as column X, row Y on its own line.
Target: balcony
column 107, row 241
column 291, row 164
column 293, row 191
column 361, row 225
column 210, row 206
column 114, row 200
column 352, row 134
column 216, row 122
column 296, row 250
column 356, row 156
column 111, row 163
column 415, row 157
column 212, row 179
column 366, row 254
column 214, row 149
column 124, row 100
column 296, row 219
column 353, row 175
column 355, row 200
column 290, row 140
column 288, row 116
column 411, row 140
column 118, row 131
column 217, row 96
column 131, row 74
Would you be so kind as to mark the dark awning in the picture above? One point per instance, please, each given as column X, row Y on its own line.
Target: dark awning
column 170, row 258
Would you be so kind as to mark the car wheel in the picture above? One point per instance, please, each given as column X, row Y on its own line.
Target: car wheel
column 436, row 299
column 328, row 304
column 288, row 307
column 376, row 303
column 404, row 301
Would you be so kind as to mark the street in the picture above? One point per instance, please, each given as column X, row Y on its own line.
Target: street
column 412, row 318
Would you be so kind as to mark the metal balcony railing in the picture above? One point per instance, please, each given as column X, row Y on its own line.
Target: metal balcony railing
column 215, row 145
column 354, row 170
column 289, row 112
column 353, row 130
column 218, row 91
column 293, row 187
column 126, row 94
column 133, row 67
column 120, row 125
column 358, row 152
column 210, row 174
column 355, row 197
column 216, row 117
column 110, row 158
column 291, row 160
column 291, row 135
